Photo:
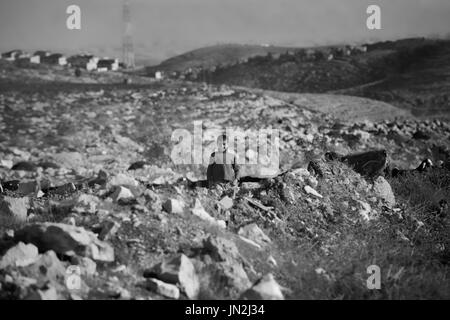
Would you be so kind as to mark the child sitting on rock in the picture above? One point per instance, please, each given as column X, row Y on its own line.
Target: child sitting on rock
column 223, row 166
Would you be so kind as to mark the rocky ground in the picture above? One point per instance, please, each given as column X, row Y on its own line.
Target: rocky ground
column 88, row 181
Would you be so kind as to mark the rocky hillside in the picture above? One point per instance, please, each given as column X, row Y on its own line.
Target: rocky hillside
column 91, row 196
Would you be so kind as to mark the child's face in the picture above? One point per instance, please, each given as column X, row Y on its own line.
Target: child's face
column 222, row 145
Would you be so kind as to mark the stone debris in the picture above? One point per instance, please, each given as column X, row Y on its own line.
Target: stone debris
column 226, row 203
column 122, row 179
column 16, row 208
column 221, row 249
column 255, row 234
column 177, row 270
column 20, row 255
column 383, row 189
column 66, row 239
column 312, row 191
column 200, row 212
column 122, row 193
column 173, row 206
column 264, row 289
column 165, row 289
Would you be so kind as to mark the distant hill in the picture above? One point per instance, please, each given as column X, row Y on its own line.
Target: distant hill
column 413, row 74
column 216, row 55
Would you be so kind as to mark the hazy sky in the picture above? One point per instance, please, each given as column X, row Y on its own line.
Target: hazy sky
column 163, row 28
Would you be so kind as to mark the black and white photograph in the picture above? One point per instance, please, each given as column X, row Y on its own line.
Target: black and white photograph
column 232, row 151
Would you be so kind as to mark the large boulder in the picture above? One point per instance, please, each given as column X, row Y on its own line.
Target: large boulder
column 16, row 208
column 66, row 239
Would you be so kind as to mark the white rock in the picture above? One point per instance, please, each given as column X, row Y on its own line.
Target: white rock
column 383, row 189
column 20, row 255
column 122, row 193
column 165, row 289
column 364, row 210
column 179, row 270
column 200, row 212
column 123, row 180
column 264, row 289
column 226, row 203
column 8, row 164
column 173, row 206
column 16, row 208
column 254, row 233
column 313, row 192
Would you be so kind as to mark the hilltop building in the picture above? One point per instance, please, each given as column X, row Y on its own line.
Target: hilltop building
column 55, row 59
column 108, row 65
column 12, row 55
column 87, row 62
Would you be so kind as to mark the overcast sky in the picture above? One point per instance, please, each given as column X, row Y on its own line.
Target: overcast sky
column 163, row 28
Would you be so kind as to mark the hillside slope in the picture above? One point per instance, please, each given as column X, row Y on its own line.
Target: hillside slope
column 216, row 55
column 411, row 74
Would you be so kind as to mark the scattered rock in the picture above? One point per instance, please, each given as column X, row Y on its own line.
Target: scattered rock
column 221, row 249
column 45, row 293
column 364, row 210
column 178, row 270
column 164, row 289
column 313, row 192
column 47, row 268
column 226, row 203
column 24, row 166
column 255, row 234
column 88, row 267
column 173, row 206
column 122, row 193
column 66, row 189
column 20, row 255
column 16, row 208
column 8, row 164
column 264, row 289
column 108, row 229
column 66, row 239
column 101, row 179
column 27, row 188
column 200, row 212
column 122, row 179
column 383, row 189
column 137, row 165
column 69, row 160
